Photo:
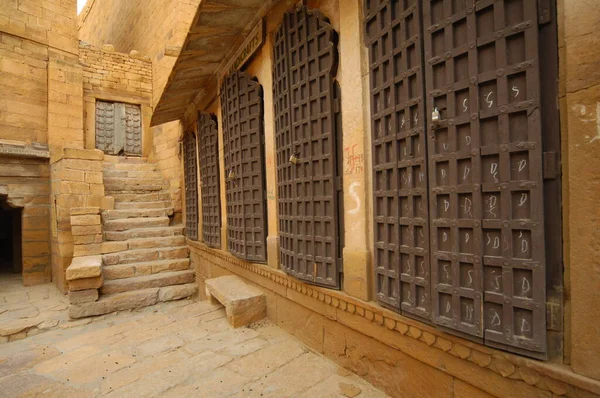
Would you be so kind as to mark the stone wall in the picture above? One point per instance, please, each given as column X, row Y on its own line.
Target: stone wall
column 579, row 101
column 24, row 183
column 77, row 182
column 112, row 76
column 166, row 24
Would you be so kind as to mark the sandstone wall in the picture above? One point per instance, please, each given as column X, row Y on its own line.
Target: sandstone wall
column 112, row 76
column 579, row 101
column 166, row 23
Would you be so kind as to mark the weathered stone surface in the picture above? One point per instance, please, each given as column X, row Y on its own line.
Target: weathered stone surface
column 122, row 225
column 91, row 249
column 177, row 292
column 121, row 271
column 116, row 302
column 83, row 296
column 83, row 220
column 136, row 213
column 86, row 230
column 112, row 247
column 143, row 233
column 84, row 267
column 79, row 211
column 150, row 281
column 84, row 284
column 349, row 390
column 244, row 304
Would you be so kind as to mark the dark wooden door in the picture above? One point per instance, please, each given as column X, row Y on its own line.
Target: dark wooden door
column 190, row 168
column 208, row 136
column 243, row 136
column 307, row 124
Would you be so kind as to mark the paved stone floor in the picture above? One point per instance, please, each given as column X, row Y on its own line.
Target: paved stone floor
column 178, row 349
column 29, row 310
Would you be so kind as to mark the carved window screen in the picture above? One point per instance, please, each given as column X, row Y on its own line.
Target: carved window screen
column 307, row 133
column 243, row 132
column 208, row 137
column 118, row 128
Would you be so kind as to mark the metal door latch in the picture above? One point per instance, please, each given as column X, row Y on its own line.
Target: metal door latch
column 231, row 175
column 436, row 117
column 294, row 158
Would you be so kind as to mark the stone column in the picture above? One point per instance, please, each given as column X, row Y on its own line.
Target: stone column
column 580, row 119
column 356, row 152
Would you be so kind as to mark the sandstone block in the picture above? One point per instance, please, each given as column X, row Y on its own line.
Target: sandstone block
column 87, row 250
column 85, row 154
column 113, row 247
column 84, row 284
column 88, row 219
column 83, row 296
column 85, row 267
column 177, row 292
column 118, row 302
column 80, row 211
column 86, row 230
column 243, row 304
column 87, row 239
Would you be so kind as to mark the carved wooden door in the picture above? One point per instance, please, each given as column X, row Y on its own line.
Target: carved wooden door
column 118, row 128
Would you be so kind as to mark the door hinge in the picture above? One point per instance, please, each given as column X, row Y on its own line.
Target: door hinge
column 544, row 12
column 554, row 317
column 550, row 165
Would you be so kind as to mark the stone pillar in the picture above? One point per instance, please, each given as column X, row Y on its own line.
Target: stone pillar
column 262, row 68
column 580, row 119
column 356, row 153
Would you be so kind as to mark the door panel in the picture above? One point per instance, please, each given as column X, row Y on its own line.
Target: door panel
column 393, row 37
column 118, row 128
column 191, row 185
column 242, row 107
column 306, row 112
column 485, row 170
column 208, row 137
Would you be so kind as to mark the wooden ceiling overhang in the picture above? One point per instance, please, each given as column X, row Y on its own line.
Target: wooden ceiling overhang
column 217, row 30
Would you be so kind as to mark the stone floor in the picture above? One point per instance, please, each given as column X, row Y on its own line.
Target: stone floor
column 26, row 311
column 177, row 349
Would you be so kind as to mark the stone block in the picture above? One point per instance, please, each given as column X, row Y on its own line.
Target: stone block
column 85, row 267
column 177, row 292
column 86, row 230
column 113, row 247
column 83, row 296
column 243, row 304
column 87, row 250
column 87, row 239
column 118, row 302
column 84, row 284
column 84, row 220
column 80, row 211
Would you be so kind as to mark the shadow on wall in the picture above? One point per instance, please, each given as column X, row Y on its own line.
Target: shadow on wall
column 10, row 238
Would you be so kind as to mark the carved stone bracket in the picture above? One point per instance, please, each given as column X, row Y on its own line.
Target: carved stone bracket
column 24, row 150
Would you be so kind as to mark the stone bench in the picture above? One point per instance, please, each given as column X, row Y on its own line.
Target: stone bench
column 243, row 304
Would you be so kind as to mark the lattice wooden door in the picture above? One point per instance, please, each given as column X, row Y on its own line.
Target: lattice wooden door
column 243, row 132
column 208, row 138
column 306, row 112
column 190, row 166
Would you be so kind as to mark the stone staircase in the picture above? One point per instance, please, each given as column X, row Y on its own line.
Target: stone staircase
column 146, row 258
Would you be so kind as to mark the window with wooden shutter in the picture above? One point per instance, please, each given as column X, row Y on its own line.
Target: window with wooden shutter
column 190, row 168
column 208, row 138
column 307, row 134
column 118, row 128
column 243, row 136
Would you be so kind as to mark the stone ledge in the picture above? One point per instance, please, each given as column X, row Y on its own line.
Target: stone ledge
column 84, row 267
column 554, row 378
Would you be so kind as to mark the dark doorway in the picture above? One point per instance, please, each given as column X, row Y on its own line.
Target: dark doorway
column 10, row 239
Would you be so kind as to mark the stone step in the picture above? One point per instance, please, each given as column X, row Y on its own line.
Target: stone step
column 141, row 197
column 130, row 166
column 136, row 213
column 142, row 255
column 124, row 271
column 109, row 173
column 143, row 233
column 134, row 223
column 130, row 300
column 151, row 243
column 125, row 159
column 122, row 187
column 158, row 204
column 148, row 281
